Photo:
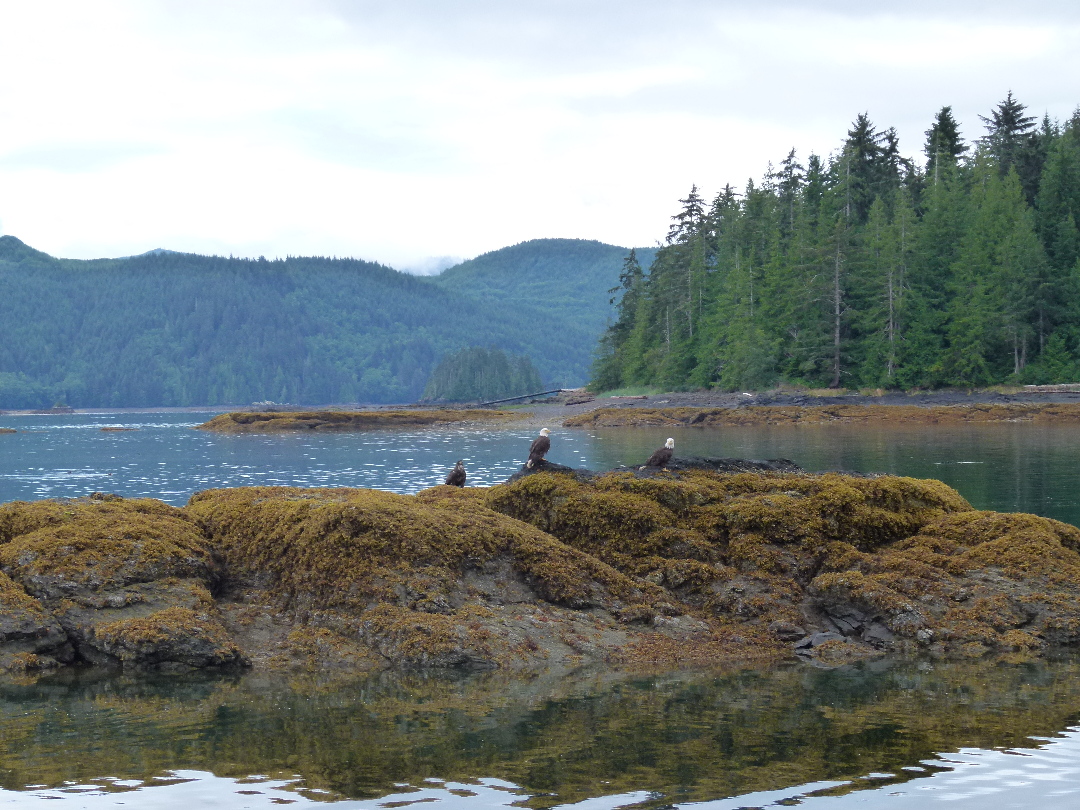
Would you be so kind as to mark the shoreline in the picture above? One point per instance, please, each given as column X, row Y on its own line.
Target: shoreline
column 695, row 409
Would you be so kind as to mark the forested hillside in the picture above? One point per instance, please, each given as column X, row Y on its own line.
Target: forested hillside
column 562, row 278
column 864, row 269
column 479, row 374
column 173, row 329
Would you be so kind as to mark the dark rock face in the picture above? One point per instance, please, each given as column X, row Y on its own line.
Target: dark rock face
column 816, row 640
column 29, row 636
column 543, row 465
column 720, row 465
column 717, row 465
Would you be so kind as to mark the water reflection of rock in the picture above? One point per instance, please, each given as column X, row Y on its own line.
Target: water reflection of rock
column 561, row 738
column 715, row 561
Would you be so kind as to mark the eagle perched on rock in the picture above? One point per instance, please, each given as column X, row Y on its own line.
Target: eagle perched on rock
column 662, row 456
column 541, row 444
column 456, row 478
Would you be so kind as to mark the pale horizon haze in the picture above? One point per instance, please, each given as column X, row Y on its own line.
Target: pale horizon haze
column 418, row 133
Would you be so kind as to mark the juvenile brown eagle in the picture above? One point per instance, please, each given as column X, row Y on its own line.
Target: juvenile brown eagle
column 456, row 478
column 541, row 444
column 662, row 456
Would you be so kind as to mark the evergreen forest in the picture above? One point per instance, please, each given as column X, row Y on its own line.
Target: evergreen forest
column 561, row 279
column 476, row 374
column 176, row 329
column 868, row 269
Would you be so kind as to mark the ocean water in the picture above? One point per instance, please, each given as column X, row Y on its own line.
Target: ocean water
column 889, row 734
column 1008, row 467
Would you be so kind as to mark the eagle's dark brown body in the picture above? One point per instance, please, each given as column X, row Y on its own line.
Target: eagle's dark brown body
column 538, row 449
column 662, row 456
column 456, row 478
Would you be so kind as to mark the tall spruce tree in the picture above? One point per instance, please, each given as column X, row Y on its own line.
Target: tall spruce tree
column 943, row 144
column 1011, row 140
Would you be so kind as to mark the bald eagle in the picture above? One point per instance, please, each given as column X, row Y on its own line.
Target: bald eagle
column 662, row 456
column 456, row 478
column 541, row 444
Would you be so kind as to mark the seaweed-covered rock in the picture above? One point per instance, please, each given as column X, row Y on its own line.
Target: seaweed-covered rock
column 103, row 546
column 711, row 561
column 175, row 637
column 891, row 563
column 81, row 565
column 800, row 412
column 347, row 421
column 30, row 638
column 972, row 580
column 417, row 578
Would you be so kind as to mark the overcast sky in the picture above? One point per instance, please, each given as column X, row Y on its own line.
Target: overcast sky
column 402, row 131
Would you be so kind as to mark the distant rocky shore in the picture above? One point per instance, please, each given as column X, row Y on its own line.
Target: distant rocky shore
column 642, row 416
column 710, row 561
column 347, row 421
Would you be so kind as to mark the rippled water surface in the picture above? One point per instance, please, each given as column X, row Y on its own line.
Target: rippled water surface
column 883, row 735
column 1008, row 467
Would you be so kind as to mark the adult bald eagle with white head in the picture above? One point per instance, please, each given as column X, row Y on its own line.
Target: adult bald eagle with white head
column 538, row 449
column 662, row 456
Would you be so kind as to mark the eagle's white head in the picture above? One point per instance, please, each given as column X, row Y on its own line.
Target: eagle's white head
column 545, row 432
column 670, row 444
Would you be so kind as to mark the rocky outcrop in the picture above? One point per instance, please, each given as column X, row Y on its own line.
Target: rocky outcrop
column 115, row 582
column 743, row 413
column 717, row 560
column 347, row 421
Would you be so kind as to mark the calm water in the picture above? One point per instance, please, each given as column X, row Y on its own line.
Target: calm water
column 884, row 735
column 1012, row 468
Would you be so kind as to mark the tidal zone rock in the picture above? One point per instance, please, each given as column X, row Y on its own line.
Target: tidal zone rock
column 628, row 568
column 107, row 581
column 829, row 566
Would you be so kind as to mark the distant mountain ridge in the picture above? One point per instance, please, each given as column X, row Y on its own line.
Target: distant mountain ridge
column 563, row 278
column 179, row 329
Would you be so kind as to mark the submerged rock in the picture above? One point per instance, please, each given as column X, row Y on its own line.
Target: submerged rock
column 711, row 560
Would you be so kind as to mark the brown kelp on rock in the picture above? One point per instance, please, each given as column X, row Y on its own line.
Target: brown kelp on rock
column 436, row 579
column 119, row 582
column 623, row 568
column 838, row 564
column 348, row 421
column 855, row 413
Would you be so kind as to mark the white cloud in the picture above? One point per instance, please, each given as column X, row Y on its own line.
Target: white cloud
column 402, row 131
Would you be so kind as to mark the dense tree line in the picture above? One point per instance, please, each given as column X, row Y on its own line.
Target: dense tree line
column 476, row 374
column 179, row 329
column 865, row 269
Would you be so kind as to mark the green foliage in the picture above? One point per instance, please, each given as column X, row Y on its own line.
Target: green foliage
column 478, row 374
column 864, row 270
column 545, row 280
column 173, row 329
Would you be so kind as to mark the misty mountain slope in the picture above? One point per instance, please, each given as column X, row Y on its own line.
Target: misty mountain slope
column 563, row 278
column 174, row 329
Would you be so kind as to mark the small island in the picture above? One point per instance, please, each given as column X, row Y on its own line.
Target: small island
column 347, row 421
column 708, row 562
